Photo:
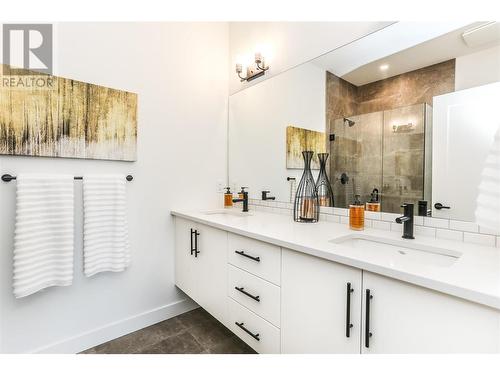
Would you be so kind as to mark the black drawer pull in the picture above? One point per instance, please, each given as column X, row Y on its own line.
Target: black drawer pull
column 242, row 253
column 194, row 249
column 242, row 290
column 254, row 335
column 348, row 324
column 368, row 334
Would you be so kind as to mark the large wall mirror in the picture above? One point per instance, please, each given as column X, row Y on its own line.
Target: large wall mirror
column 396, row 122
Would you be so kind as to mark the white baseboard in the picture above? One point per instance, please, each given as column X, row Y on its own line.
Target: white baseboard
column 117, row 329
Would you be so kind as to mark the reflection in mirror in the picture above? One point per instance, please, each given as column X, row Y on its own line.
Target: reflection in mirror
column 385, row 124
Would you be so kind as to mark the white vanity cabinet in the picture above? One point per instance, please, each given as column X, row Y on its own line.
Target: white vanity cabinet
column 387, row 315
column 200, row 265
column 320, row 300
column 284, row 301
column 404, row 318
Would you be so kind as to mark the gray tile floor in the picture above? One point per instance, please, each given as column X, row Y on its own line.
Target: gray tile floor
column 193, row 332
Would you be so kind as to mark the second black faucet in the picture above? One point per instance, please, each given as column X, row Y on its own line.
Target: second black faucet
column 407, row 221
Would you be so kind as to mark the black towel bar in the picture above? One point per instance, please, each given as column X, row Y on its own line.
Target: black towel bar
column 8, row 177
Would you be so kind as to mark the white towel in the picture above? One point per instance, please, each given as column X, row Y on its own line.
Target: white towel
column 43, row 240
column 488, row 200
column 105, row 230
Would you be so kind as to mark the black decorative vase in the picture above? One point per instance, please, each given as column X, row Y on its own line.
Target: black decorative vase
column 323, row 187
column 306, row 206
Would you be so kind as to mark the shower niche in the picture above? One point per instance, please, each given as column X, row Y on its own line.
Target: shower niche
column 383, row 150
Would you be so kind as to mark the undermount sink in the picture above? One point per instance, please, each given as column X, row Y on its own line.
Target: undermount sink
column 227, row 211
column 400, row 250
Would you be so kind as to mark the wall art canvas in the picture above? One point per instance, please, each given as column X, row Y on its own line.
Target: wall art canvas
column 60, row 117
column 298, row 140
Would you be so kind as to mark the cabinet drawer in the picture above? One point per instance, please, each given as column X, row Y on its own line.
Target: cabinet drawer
column 256, row 257
column 261, row 335
column 258, row 295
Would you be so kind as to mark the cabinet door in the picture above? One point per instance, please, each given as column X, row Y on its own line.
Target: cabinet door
column 184, row 261
column 405, row 318
column 211, row 271
column 315, row 311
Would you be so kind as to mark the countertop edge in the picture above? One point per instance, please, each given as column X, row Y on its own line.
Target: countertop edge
column 432, row 284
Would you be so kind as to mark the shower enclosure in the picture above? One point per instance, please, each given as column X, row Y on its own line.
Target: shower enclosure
column 387, row 150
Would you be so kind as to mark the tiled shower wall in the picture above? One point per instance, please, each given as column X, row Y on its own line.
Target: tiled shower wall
column 424, row 226
column 370, row 148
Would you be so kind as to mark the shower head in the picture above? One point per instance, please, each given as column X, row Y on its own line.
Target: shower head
column 348, row 122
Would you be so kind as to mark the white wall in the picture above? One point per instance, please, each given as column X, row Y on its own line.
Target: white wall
column 258, row 117
column 477, row 69
column 179, row 71
column 288, row 44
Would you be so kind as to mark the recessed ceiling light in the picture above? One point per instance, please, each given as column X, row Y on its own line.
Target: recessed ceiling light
column 384, row 67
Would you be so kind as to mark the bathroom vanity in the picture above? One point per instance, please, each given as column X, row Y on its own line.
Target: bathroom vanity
column 286, row 287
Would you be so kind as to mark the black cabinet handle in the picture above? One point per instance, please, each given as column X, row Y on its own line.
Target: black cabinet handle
column 242, row 290
column 348, row 324
column 439, row 206
column 242, row 253
column 254, row 335
column 192, row 248
column 368, row 334
column 195, row 248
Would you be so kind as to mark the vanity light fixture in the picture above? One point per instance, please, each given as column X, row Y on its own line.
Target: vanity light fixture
column 403, row 128
column 384, row 67
column 256, row 70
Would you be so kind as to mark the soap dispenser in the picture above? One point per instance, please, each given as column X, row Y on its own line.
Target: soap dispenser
column 228, row 198
column 374, row 203
column 357, row 214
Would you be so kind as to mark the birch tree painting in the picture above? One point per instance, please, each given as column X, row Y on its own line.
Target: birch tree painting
column 68, row 119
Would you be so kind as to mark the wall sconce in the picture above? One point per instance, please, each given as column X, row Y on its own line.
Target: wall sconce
column 258, row 69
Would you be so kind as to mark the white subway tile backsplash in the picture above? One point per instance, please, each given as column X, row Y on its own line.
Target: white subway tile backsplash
column 326, row 210
column 372, row 215
column 382, row 225
column 385, row 216
column 484, row 230
column 418, row 220
column 436, row 223
column 447, row 234
column 424, row 226
column 425, row 231
column 479, row 239
column 341, row 211
column 464, row 226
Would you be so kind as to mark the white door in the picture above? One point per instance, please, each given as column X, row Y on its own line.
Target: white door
column 184, row 259
column 320, row 300
column 464, row 125
column 211, row 271
column 404, row 318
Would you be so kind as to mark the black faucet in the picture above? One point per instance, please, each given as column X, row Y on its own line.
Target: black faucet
column 244, row 200
column 265, row 197
column 407, row 221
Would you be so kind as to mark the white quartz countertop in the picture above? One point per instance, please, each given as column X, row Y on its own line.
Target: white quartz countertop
column 474, row 276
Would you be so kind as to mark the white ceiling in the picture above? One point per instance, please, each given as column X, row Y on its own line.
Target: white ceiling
column 404, row 47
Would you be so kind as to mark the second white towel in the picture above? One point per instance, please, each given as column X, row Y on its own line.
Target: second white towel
column 105, row 229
